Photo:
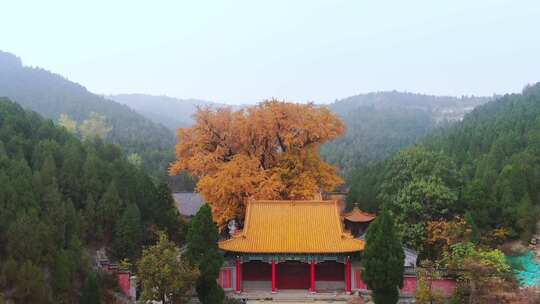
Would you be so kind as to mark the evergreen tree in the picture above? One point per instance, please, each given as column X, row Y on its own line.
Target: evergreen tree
column 202, row 251
column 527, row 214
column 92, row 226
column 63, row 273
column 167, row 216
column 91, row 293
column 70, row 176
column 31, row 285
column 383, row 260
column 109, row 209
column 50, row 181
column 128, row 234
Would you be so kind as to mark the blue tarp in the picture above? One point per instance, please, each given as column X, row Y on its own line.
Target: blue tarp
column 526, row 269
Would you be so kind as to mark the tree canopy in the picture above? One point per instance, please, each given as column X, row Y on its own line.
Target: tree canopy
column 73, row 106
column 202, row 251
column 61, row 196
column 383, row 260
column 165, row 274
column 266, row 151
column 485, row 169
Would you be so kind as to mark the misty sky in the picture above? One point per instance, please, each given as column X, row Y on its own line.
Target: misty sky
column 244, row 51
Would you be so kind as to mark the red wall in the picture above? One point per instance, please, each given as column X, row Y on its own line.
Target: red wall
column 359, row 284
column 124, row 283
column 409, row 285
column 225, row 278
column 444, row 286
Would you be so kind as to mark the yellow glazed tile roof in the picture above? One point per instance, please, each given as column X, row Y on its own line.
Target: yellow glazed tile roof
column 292, row 227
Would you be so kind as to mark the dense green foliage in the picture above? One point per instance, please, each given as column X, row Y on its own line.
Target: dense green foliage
column 379, row 124
column 497, row 151
column 52, row 95
column 485, row 168
column 165, row 274
column 374, row 133
column 383, row 260
column 203, row 252
column 60, row 197
column 419, row 186
column 90, row 292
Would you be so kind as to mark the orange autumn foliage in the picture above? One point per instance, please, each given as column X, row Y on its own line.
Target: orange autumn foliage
column 268, row 151
column 443, row 234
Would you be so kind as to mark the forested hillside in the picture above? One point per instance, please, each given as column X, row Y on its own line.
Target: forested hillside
column 52, row 95
column 60, row 198
column 379, row 124
column 485, row 169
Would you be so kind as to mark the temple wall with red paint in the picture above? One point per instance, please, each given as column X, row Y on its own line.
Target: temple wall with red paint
column 124, row 282
column 445, row 287
column 409, row 285
column 225, row 279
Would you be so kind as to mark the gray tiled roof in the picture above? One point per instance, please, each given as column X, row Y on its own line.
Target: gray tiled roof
column 188, row 203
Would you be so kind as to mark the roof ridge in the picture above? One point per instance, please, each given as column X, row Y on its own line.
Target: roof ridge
column 338, row 217
column 293, row 201
column 248, row 213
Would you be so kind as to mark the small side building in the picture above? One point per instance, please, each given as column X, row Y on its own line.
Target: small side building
column 357, row 221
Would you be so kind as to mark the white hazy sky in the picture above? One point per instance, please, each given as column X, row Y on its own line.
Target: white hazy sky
column 238, row 51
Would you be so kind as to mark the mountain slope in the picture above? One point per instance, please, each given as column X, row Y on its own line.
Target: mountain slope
column 59, row 198
column 379, row 124
column 495, row 151
column 171, row 112
column 52, row 95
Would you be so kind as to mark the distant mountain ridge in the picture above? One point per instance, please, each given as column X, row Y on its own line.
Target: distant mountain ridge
column 51, row 95
column 379, row 124
column 440, row 108
column 171, row 112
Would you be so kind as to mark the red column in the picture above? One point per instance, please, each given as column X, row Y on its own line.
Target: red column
column 274, row 287
column 313, row 289
column 238, row 276
column 348, row 275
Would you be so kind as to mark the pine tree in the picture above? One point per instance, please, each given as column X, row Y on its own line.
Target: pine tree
column 202, row 251
column 90, row 292
column 92, row 226
column 526, row 214
column 109, row 209
column 31, row 285
column 62, row 276
column 167, row 216
column 128, row 234
column 383, row 260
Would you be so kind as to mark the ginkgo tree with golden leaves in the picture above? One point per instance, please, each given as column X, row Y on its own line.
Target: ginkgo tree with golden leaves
column 268, row 151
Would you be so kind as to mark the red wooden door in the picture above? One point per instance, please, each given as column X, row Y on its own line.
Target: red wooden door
column 293, row 275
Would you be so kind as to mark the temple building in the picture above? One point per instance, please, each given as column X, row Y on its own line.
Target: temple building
column 292, row 245
column 305, row 246
column 357, row 221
